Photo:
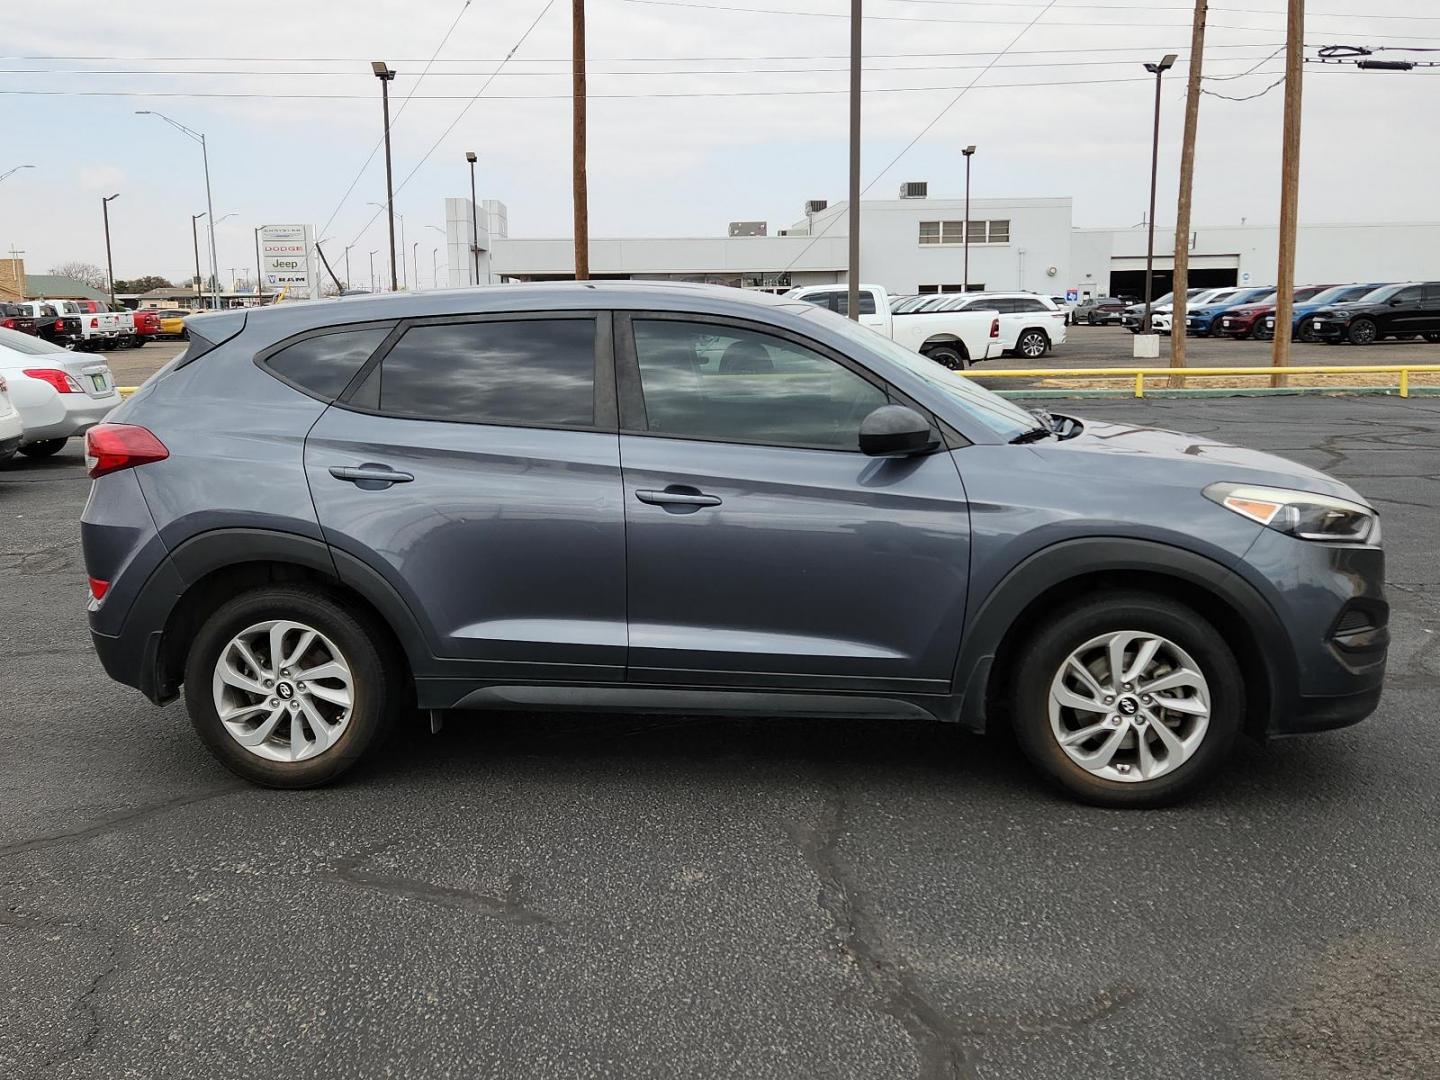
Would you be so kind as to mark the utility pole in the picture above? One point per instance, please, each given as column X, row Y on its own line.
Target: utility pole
column 386, row 75
column 109, row 262
column 853, row 300
column 969, row 152
column 1181, row 278
column 259, row 270
column 195, row 238
column 347, row 267
column 577, row 107
column 1289, row 190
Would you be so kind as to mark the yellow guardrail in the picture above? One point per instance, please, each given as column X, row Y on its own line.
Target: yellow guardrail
column 1140, row 374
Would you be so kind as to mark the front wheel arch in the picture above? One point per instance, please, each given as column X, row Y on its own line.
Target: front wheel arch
column 1067, row 570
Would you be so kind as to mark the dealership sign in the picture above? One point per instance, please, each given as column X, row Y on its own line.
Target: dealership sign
column 288, row 261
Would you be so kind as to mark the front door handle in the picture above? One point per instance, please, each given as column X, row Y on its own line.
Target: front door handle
column 370, row 476
column 671, row 497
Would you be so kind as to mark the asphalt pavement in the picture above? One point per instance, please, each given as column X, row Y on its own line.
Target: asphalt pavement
column 529, row 896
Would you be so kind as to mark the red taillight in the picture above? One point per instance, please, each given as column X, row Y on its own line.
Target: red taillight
column 59, row 324
column 111, row 447
column 94, row 324
column 62, row 381
column 9, row 324
column 994, row 327
column 99, row 588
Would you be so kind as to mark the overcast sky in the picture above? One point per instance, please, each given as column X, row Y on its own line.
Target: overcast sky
column 740, row 114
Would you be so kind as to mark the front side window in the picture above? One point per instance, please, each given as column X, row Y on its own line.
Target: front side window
column 1407, row 295
column 526, row 372
column 325, row 365
column 711, row 381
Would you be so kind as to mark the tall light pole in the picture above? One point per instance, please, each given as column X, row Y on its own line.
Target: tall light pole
column 435, row 266
column 1158, row 70
column 11, row 172
column 404, row 278
column 109, row 262
column 386, row 75
column 214, row 271
column 195, row 238
column 347, row 266
column 969, row 152
column 372, row 269
column 474, row 216
column 853, row 300
column 259, row 269
column 209, row 205
column 443, row 233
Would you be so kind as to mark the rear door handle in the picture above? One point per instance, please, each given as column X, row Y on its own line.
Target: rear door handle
column 677, row 498
column 370, row 476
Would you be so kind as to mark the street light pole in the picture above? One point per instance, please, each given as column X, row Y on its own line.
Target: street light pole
column 1158, row 70
column 109, row 262
column 259, row 270
column 474, row 216
column 195, row 238
column 209, row 204
column 852, row 307
column 11, row 172
column 347, row 266
column 386, row 74
column 435, row 266
column 372, row 270
column 969, row 152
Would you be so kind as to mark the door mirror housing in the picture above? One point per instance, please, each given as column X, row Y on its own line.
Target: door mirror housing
column 896, row 431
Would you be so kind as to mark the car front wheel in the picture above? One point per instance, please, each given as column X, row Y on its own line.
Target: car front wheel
column 1363, row 332
column 1131, row 700
column 289, row 687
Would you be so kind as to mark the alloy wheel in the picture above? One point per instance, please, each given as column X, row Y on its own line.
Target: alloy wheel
column 1032, row 344
column 283, row 691
column 1129, row 706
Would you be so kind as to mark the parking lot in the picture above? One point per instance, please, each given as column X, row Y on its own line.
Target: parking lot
column 584, row 896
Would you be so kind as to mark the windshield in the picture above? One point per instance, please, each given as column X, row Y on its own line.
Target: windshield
column 15, row 341
column 998, row 415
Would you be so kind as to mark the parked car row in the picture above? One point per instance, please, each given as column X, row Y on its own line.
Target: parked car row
column 48, row 394
column 955, row 330
column 89, row 325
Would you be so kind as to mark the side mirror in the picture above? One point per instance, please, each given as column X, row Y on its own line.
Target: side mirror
column 896, row 431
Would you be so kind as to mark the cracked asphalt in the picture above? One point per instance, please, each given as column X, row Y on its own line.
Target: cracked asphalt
column 575, row 896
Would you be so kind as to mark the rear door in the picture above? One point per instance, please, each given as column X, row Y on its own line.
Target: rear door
column 762, row 548
column 1404, row 313
column 474, row 463
column 1430, row 309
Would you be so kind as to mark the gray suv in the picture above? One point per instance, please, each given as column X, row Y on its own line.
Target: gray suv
column 323, row 516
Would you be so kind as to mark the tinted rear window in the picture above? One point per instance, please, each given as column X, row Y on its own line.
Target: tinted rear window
column 527, row 372
column 325, row 365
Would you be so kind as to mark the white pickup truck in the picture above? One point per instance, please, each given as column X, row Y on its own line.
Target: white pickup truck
column 952, row 339
column 88, row 326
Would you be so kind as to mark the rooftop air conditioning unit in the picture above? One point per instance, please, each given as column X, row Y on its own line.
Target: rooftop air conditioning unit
column 914, row 189
column 814, row 206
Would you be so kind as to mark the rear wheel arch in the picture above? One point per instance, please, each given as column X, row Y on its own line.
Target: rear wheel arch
column 219, row 565
column 1069, row 570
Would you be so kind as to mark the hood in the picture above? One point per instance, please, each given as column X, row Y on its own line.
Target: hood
column 1153, row 455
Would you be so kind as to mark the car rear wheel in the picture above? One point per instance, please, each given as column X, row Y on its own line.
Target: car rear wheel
column 949, row 356
column 1132, row 700
column 1306, row 331
column 1433, row 338
column 43, row 448
column 1032, row 344
column 289, row 687
column 1363, row 332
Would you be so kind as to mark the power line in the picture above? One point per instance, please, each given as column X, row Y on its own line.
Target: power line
column 1170, row 7
column 1250, row 71
column 1247, row 97
column 921, row 134
column 461, row 115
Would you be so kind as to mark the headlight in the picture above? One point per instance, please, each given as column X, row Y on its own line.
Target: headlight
column 1301, row 514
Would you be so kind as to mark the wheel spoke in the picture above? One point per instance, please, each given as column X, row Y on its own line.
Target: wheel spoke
column 1099, row 758
column 325, row 732
column 260, row 733
column 299, row 745
column 1173, row 746
column 336, row 695
column 1144, row 758
column 1143, row 655
column 331, row 669
column 1075, row 738
column 234, row 713
column 1067, row 697
column 307, row 638
column 238, row 679
column 1116, row 649
column 249, row 657
column 1083, row 674
column 1174, row 680
column 1192, row 706
column 277, row 642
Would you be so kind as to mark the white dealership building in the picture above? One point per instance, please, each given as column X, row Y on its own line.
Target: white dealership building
column 916, row 244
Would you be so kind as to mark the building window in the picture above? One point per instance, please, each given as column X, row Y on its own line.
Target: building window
column 947, row 288
column 953, row 232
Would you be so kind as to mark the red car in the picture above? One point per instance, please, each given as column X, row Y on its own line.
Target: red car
column 147, row 326
column 1248, row 320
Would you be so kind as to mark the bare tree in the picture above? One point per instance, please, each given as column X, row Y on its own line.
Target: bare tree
column 88, row 273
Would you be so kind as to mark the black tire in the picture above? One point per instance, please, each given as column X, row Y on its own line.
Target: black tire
column 1032, row 343
column 1090, row 319
column 377, row 688
column 1363, row 332
column 1432, row 337
column 949, row 356
column 43, row 449
column 1306, row 331
column 1067, row 630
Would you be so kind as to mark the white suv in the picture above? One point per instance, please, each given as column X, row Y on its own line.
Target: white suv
column 1029, row 323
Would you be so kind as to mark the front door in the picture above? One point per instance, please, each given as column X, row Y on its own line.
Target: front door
column 476, row 467
column 1404, row 312
column 762, row 548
